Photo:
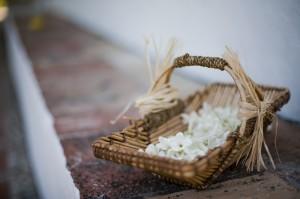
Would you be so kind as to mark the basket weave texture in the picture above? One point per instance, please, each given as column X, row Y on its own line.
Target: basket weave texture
column 122, row 147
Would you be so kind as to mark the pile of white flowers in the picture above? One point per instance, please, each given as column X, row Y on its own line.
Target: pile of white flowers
column 206, row 130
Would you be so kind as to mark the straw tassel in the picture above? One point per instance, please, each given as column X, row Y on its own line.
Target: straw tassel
column 253, row 148
column 257, row 109
column 161, row 94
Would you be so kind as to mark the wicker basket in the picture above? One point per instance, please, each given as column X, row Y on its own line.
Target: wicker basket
column 122, row 147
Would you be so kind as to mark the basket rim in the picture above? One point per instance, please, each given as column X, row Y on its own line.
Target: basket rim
column 136, row 153
column 184, row 165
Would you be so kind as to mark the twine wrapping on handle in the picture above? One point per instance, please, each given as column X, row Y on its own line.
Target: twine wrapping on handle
column 257, row 108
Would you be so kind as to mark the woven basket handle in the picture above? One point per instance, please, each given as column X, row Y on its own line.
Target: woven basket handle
column 252, row 103
column 248, row 90
column 211, row 62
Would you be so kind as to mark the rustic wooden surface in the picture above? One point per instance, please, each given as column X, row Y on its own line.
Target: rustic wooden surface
column 84, row 88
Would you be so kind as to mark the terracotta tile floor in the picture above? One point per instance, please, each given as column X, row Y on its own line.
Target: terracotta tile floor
column 83, row 92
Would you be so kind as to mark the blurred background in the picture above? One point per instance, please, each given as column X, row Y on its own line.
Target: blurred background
column 265, row 34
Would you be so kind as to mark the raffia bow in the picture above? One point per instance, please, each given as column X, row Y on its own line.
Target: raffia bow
column 160, row 99
column 258, row 109
column 161, row 95
column 252, row 150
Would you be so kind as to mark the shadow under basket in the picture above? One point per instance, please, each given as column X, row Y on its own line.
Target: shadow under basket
column 122, row 147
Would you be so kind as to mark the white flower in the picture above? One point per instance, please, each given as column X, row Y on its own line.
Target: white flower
column 179, row 142
column 151, row 149
column 206, row 130
column 164, row 143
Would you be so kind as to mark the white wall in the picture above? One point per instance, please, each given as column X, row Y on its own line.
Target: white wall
column 51, row 175
column 266, row 34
